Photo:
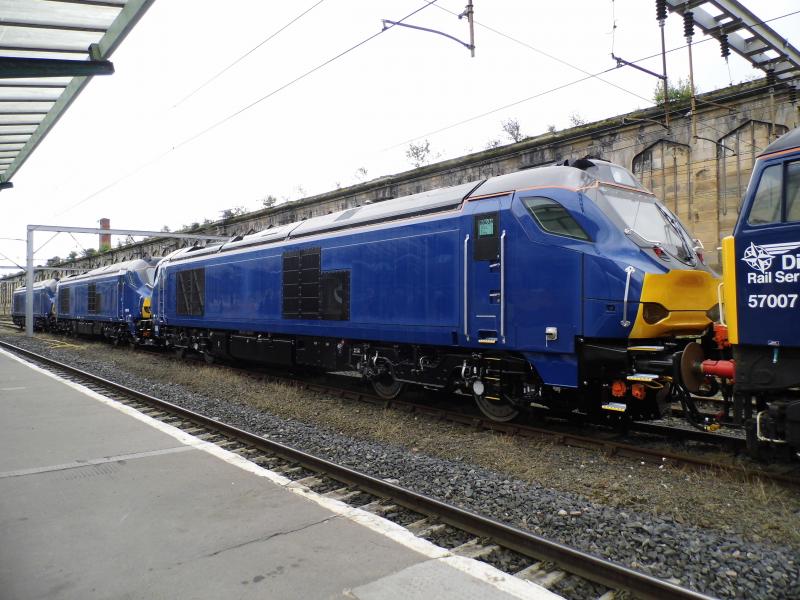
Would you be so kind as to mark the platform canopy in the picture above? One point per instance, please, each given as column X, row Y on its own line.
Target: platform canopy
column 49, row 51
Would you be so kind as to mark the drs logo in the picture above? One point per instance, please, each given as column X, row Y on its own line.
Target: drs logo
column 773, row 264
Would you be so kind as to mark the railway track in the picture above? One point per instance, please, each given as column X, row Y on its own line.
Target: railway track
column 8, row 324
column 605, row 441
column 531, row 557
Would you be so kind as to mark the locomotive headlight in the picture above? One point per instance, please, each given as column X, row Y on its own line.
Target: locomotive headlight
column 652, row 312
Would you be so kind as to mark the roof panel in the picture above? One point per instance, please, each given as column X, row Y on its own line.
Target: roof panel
column 43, row 94
column 436, row 200
column 51, row 29
column 60, row 12
column 26, row 37
column 44, row 53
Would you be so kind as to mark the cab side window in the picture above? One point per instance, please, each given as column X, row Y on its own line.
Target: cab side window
column 766, row 206
column 554, row 218
column 793, row 191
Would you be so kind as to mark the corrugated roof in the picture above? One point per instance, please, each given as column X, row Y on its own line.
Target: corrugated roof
column 41, row 38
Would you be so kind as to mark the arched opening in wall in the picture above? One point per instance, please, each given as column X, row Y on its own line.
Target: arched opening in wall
column 736, row 155
column 663, row 168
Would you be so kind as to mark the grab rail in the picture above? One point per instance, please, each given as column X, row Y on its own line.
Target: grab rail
column 624, row 322
column 720, row 303
column 503, row 286
column 466, row 288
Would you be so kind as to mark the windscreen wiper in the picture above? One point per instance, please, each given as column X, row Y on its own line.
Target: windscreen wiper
column 629, row 231
column 679, row 231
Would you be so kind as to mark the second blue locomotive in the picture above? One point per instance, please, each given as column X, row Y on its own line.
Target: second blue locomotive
column 112, row 301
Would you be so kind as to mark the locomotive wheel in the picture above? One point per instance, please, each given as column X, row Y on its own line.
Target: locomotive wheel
column 209, row 358
column 387, row 387
column 500, row 410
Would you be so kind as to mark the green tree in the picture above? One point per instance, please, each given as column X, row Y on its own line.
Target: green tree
column 89, row 252
column 679, row 91
column 72, row 255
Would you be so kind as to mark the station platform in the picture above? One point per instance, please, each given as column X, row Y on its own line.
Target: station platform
column 98, row 500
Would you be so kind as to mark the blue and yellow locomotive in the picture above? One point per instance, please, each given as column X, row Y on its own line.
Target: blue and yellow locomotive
column 567, row 288
column 44, row 294
column 761, row 272
column 112, row 301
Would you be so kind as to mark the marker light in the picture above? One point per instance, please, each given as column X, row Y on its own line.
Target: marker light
column 659, row 252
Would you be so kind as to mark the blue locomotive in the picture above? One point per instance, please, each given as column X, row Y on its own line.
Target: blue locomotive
column 761, row 273
column 567, row 288
column 44, row 294
column 112, row 301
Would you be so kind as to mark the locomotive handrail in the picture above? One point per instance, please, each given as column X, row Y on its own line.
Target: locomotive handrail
column 466, row 288
column 624, row 322
column 721, row 304
column 503, row 286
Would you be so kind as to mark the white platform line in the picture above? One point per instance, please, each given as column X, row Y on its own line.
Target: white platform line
column 504, row 582
column 77, row 464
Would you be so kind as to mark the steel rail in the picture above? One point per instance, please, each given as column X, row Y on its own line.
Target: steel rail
column 610, row 446
column 574, row 561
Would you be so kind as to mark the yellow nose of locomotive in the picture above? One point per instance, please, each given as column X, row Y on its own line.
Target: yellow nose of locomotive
column 676, row 303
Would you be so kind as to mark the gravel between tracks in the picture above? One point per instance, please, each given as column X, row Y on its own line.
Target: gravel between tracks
column 721, row 536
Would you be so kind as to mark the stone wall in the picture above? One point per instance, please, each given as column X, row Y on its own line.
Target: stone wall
column 701, row 178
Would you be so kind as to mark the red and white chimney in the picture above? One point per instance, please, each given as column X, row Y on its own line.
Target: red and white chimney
column 105, row 238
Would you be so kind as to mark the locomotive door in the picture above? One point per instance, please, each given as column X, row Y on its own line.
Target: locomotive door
column 483, row 270
column 766, row 255
column 121, row 298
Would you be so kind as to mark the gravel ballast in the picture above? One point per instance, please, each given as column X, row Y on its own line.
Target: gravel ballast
column 714, row 560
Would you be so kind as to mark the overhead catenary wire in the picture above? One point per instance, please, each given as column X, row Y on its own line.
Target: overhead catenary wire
column 12, row 261
column 77, row 242
column 613, row 26
column 50, row 239
column 245, row 108
column 636, row 140
column 248, row 53
column 554, row 89
column 551, row 56
column 680, row 170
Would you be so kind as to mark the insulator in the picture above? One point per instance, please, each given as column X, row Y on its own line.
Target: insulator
column 725, row 48
column 688, row 24
column 661, row 10
column 770, row 78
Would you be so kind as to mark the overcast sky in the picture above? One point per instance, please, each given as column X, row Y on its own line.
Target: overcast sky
column 133, row 148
